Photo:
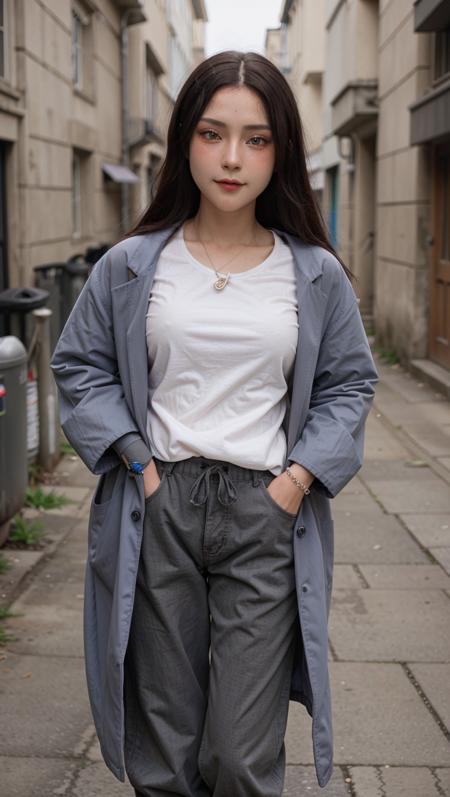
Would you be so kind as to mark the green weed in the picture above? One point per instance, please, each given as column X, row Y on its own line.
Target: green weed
column 5, row 637
column 388, row 356
column 35, row 496
column 66, row 448
column 35, row 474
column 4, row 564
column 27, row 532
column 5, row 613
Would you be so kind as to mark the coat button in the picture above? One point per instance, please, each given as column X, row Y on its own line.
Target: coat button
column 301, row 530
column 135, row 515
column 304, row 588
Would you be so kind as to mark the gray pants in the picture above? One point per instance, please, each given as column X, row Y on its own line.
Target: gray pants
column 209, row 660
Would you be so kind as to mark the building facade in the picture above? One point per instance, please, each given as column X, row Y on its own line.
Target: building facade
column 304, row 63
column 86, row 89
column 351, row 114
column 163, row 50
column 382, row 145
column 429, row 134
column 274, row 47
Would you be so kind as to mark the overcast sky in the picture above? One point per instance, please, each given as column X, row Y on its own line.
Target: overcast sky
column 240, row 24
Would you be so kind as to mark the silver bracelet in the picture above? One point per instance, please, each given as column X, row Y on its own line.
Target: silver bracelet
column 293, row 478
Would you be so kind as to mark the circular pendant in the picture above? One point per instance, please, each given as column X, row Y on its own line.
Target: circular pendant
column 220, row 283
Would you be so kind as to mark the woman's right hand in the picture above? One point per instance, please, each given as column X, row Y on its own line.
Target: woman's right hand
column 151, row 479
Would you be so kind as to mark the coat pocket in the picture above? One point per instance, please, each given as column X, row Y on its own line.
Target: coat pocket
column 105, row 487
column 104, row 526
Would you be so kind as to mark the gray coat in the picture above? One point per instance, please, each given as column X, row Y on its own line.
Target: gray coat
column 101, row 369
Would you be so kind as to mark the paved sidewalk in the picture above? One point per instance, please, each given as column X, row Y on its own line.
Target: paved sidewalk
column 389, row 651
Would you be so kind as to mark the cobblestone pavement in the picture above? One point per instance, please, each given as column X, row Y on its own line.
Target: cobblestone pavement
column 389, row 640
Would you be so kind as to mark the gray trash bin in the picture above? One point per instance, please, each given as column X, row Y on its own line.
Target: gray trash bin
column 13, row 430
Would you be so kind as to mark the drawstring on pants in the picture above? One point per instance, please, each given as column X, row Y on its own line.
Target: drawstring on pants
column 226, row 491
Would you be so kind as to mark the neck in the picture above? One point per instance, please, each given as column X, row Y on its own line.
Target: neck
column 225, row 229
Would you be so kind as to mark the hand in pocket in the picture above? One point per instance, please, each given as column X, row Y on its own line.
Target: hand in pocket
column 151, row 479
column 285, row 494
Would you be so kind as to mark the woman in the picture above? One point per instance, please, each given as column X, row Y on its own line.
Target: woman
column 215, row 372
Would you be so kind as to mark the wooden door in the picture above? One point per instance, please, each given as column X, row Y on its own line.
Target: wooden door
column 439, row 326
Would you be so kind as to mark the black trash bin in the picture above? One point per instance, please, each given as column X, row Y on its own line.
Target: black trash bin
column 50, row 277
column 94, row 253
column 75, row 275
column 16, row 305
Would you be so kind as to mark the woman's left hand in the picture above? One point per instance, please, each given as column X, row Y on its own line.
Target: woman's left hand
column 285, row 493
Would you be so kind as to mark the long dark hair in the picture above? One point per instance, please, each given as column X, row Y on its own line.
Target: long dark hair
column 288, row 202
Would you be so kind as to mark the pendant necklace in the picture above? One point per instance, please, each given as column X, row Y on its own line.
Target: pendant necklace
column 222, row 279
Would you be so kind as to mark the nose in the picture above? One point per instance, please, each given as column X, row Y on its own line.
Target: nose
column 231, row 158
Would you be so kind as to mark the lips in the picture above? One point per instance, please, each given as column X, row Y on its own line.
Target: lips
column 229, row 186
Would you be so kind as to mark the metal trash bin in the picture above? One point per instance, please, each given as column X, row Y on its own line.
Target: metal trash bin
column 50, row 277
column 16, row 305
column 13, row 430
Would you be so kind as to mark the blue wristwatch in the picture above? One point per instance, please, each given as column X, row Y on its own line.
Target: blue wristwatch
column 137, row 467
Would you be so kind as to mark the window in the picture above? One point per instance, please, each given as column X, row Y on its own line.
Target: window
column 153, row 70
column 76, row 194
column 83, row 179
column 151, row 95
column 3, row 223
column 332, row 175
column 77, row 49
column 82, row 49
column 179, row 67
column 2, row 40
column 442, row 54
column 445, row 208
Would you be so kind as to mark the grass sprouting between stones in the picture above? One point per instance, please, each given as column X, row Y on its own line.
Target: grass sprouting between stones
column 37, row 497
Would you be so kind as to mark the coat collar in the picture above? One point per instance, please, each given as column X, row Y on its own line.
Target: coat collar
column 308, row 258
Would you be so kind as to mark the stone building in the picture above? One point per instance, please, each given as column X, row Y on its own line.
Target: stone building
column 374, row 93
column 274, row 46
column 163, row 50
column 86, row 88
column 304, row 59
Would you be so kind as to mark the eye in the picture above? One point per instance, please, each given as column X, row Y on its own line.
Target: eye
column 260, row 141
column 205, row 134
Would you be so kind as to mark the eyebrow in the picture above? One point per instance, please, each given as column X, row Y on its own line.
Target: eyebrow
column 222, row 124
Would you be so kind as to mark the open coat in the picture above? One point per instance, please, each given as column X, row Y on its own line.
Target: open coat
column 101, row 368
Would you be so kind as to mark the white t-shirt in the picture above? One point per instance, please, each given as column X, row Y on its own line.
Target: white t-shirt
column 219, row 361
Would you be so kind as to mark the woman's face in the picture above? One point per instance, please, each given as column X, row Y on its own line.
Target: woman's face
column 232, row 141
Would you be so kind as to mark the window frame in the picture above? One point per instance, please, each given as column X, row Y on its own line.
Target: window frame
column 5, row 29
column 77, row 49
column 83, row 49
column 441, row 49
column 151, row 94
